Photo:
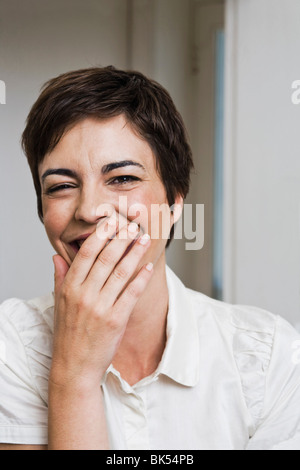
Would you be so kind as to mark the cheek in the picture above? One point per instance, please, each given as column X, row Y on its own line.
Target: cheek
column 56, row 218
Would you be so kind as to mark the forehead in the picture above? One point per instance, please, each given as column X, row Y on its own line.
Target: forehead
column 93, row 143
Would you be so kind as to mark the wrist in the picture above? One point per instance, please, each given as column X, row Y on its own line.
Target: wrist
column 61, row 380
column 76, row 416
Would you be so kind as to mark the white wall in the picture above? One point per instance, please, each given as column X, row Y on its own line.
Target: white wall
column 38, row 40
column 262, row 160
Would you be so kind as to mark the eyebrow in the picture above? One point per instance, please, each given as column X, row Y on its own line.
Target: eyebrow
column 59, row 171
column 115, row 165
column 105, row 169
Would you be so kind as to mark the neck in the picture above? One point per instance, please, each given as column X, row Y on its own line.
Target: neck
column 144, row 341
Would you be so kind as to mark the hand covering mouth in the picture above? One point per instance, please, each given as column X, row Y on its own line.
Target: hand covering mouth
column 77, row 243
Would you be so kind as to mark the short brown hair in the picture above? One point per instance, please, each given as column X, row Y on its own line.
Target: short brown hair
column 103, row 93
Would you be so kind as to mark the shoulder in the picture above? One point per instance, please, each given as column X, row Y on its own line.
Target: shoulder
column 246, row 325
column 14, row 309
column 26, row 331
column 27, row 319
column 234, row 319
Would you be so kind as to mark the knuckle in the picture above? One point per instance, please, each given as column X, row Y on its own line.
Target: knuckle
column 137, row 286
column 66, row 291
column 120, row 273
column 95, row 318
column 133, row 290
column 105, row 259
column 85, row 252
column 83, row 302
column 113, row 323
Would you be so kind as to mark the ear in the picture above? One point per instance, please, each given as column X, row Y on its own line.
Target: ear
column 176, row 209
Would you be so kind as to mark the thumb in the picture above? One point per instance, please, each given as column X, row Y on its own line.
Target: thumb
column 61, row 268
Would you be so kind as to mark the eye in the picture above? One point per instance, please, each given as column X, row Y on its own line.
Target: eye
column 124, row 179
column 59, row 187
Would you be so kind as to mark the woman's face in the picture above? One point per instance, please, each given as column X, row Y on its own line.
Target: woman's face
column 97, row 165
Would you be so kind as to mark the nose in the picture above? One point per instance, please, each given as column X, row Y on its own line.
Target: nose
column 90, row 206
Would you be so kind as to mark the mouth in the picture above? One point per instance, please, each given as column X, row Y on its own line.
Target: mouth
column 77, row 244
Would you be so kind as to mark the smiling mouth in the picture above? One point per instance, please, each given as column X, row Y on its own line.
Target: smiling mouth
column 77, row 244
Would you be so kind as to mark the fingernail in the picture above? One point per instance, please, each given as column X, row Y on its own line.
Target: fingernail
column 144, row 239
column 133, row 227
column 149, row 267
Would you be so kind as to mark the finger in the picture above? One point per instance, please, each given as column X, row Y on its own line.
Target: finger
column 90, row 249
column 124, row 271
column 61, row 268
column 110, row 256
column 127, row 301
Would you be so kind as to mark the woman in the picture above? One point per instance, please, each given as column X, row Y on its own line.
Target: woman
column 123, row 356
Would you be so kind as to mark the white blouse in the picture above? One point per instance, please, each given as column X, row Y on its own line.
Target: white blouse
column 229, row 378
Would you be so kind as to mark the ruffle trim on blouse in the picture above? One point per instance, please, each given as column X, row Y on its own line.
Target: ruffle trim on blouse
column 252, row 346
